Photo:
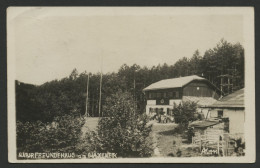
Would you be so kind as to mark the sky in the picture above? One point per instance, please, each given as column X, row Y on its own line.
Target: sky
column 48, row 42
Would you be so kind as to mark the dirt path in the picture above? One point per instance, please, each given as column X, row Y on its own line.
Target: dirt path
column 156, row 149
column 159, row 139
column 91, row 124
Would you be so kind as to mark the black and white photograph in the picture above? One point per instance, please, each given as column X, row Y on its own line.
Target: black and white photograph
column 131, row 84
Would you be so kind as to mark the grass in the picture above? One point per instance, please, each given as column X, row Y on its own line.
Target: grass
column 169, row 143
column 90, row 124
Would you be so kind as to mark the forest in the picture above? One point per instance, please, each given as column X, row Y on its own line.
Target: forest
column 67, row 96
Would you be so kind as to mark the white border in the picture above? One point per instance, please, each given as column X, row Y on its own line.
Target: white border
column 248, row 15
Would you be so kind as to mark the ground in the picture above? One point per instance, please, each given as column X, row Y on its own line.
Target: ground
column 90, row 124
column 167, row 142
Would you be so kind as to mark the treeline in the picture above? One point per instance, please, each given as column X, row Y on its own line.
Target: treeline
column 68, row 95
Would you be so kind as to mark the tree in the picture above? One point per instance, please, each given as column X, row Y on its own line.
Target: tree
column 184, row 113
column 195, row 63
column 124, row 131
column 67, row 96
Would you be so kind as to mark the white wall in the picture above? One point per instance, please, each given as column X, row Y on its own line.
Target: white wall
column 152, row 104
column 176, row 101
column 205, row 111
column 236, row 119
column 158, row 106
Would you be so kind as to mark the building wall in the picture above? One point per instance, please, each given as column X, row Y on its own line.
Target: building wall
column 200, row 89
column 165, row 98
column 204, row 111
column 152, row 104
column 236, row 119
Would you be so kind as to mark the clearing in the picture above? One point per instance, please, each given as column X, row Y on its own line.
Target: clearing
column 167, row 142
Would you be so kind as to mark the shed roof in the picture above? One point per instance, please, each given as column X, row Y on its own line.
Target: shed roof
column 233, row 100
column 173, row 83
column 203, row 124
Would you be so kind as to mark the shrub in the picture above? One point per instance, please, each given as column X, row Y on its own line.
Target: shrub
column 124, row 131
column 62, row 135
column 240, row 146
column 190, row 134
column 29, row 136
column 181, row 128
column 184, row 113
column 179, row 153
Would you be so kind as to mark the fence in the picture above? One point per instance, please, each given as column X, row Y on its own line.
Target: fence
column 216, row 142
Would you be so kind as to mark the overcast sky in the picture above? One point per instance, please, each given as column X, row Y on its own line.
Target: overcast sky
column 50, row 42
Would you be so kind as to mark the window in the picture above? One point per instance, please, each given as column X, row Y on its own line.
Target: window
column 220, row 113
column 165, row 95
column 158, row 95
column 170, row 94
column 153, row 95
column 150, row 95
column 177, row 94
column 169, row 111
column 152, row 110
column 156, row 110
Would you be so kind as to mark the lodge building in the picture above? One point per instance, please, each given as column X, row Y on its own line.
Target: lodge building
column 162, row 95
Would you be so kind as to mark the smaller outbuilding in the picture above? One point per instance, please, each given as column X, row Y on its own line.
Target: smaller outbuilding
column 230, row 108
column 206, row 125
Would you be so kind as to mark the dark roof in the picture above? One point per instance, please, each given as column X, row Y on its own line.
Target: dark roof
column 233, row 100
column 203, row 124
column 175, row 83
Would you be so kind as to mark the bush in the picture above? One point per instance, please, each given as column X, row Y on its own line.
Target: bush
column 190, row 134
column 179, row 153
column 181, row 128
column 239, row 147
column 184, row 113
column 62, row 135
column 29, row 136
column 124, row 131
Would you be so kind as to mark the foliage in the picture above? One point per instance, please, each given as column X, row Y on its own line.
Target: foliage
column 62, row 135
column 184, row 113
column 179, row 153
column 240, row 147
column 190, row 134
column 124, row 131
column 68, row 95
column 29, row 136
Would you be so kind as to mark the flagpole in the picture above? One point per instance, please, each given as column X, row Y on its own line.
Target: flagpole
column 100, row 85
column 86, row 114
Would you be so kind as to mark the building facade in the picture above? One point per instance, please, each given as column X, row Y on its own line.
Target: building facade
column 231, row 108
column 162, row 95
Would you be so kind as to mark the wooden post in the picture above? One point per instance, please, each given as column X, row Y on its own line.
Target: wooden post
column 200, row 144
column 221, row 84
column 228, row 84
column 218, row 146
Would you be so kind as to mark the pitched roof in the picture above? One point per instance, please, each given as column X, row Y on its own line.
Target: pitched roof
column 173, row 83
column 233, row 100
column 201, row 101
